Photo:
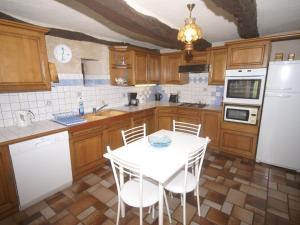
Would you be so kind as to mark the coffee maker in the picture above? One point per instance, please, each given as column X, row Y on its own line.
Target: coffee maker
column 132, row 100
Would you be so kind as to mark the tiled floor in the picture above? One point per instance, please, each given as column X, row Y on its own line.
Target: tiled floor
column 232, row 192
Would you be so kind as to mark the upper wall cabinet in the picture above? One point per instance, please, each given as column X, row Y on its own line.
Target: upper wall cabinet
column 248, row 54
column 197, row 58
column 130, row 66
column 169, row 69
column 23, row 57
column 217, row 65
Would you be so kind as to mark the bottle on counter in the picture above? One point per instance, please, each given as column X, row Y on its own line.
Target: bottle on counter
column 81, row 107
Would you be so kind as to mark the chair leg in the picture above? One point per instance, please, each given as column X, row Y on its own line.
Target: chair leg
column 184, row 209
column 122, row 209
column 118, row 213
column 198, row 202
column 141, row 216
column 153, row 211
column 167, row 207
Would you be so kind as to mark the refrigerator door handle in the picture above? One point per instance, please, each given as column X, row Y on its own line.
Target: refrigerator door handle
column 270, row 94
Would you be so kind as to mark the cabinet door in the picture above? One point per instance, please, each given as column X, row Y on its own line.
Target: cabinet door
column 23, row 57
column 217, row 65
column 86, row 152
column 113, row 136
column 8, row 197
column 150, row 124
column 211, row 125
column 197, row 58
column 140, row 67
column 238, row 143
column 165, row 121
column 253, row 54
column 188, row 115
column 153, row 64
column 169, row 69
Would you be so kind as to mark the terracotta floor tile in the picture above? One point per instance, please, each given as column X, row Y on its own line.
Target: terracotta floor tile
column 79, row 187
column 61, row 204
column 294, row 205
column 242, row 214
column 190, row 213
column 236, row 197
column 277, row 195
column 277, row 204
column 82, row 204
column 50, row 200
column 254, row 191
column 232, row 184
column 211, row 172
column 216, row 187
column 227, row 208
column 289, row 190
column 278, row 213
column 95, row 218
column 68, row 219
column 217, row 217
column 272, row 219
column 216, row 197
column 201, row 221
column 36, row 208
column 294, row 216
column 256, row 202
column 103, row 194
column 233, row 221
column 258, row 220
column 58, row 216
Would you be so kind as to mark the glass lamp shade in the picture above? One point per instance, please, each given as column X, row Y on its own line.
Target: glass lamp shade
column 190, row 32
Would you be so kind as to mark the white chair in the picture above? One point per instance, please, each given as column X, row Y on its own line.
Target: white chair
column 186, row 127
column 136, row 191
column 185, row 181
column 133, row 134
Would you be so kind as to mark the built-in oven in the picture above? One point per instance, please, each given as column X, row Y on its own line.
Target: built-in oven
column 241, row 114
column 245, row 86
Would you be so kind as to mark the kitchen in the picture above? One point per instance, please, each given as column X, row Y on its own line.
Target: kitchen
column 88, row 74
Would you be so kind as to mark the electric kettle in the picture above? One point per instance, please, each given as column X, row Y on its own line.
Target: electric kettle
column 24, row 118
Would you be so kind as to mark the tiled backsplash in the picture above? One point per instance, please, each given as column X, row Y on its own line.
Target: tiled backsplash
column 64, row 96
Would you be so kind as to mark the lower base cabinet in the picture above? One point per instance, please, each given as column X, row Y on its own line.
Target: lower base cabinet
column 147, row 117
column 211, row 126
column 238, row 143
column 112, row 134
column 86, row 151
column 165, row 117
column 8, row 196
column 187, row 115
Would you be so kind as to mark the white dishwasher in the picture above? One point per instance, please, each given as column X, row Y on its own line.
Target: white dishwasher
column 42, row 167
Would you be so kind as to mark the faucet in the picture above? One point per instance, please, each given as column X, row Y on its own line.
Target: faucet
column 95, row 110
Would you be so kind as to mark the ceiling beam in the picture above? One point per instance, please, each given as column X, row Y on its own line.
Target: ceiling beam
column 245, row 15
column 118, row 16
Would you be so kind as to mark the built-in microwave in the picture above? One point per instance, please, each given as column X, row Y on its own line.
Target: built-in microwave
column 241, row 114
column 245, row 86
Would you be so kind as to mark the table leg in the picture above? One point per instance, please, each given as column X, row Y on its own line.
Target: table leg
column 161, row 205
column 121, row 185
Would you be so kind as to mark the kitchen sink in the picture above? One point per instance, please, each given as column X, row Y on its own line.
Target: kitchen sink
column 103, row 114
column 110, row 112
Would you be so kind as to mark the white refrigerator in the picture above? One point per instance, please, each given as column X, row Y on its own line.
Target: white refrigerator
column 279, row 136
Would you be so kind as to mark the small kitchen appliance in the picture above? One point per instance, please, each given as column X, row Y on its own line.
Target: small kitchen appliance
column 158, row 96
column 24, row 118
column 174, row 98
column 132, row 100
column 241, row 114
column 245, row 86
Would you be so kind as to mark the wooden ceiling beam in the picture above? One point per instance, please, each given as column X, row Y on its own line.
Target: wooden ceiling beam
column 245, row 15
column 121, row 18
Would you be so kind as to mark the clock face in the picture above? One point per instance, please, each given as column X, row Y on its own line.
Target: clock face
column 63, row 53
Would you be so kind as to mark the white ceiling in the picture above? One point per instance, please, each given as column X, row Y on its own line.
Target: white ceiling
column 274, row 16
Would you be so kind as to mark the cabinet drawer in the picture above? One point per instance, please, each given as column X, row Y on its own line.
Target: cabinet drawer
column 167, row 110
column 189, row 112
column 241, row 144
column 84, row 132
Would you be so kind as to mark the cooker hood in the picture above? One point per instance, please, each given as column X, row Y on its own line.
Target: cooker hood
column 196, row 68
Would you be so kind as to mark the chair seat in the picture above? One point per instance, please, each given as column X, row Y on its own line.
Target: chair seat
column 130, row 193
column 176, row 185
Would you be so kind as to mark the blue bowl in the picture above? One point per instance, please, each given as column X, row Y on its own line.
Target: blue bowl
column 159, row 140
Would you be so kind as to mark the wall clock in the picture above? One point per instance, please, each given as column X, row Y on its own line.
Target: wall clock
column 63, row 53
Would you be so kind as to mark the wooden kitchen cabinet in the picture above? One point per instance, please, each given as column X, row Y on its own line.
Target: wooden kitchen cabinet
column 153, row 66
column 188, row 115
column 112, row 134
column 147, row 117
column 242, row 144
column 197, row 58
column 140, row 67
column 165, row 117
column 23, row 57
column 169, row 69
column 136, row 66
column 217, row 65
column 210, row 127
column 248, row 54
column 8, row 196
column 86, row 150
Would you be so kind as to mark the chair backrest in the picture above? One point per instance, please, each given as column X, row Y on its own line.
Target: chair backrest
column 133, row 134
column 195, row 160
column 186, row 127
column 123, row 169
